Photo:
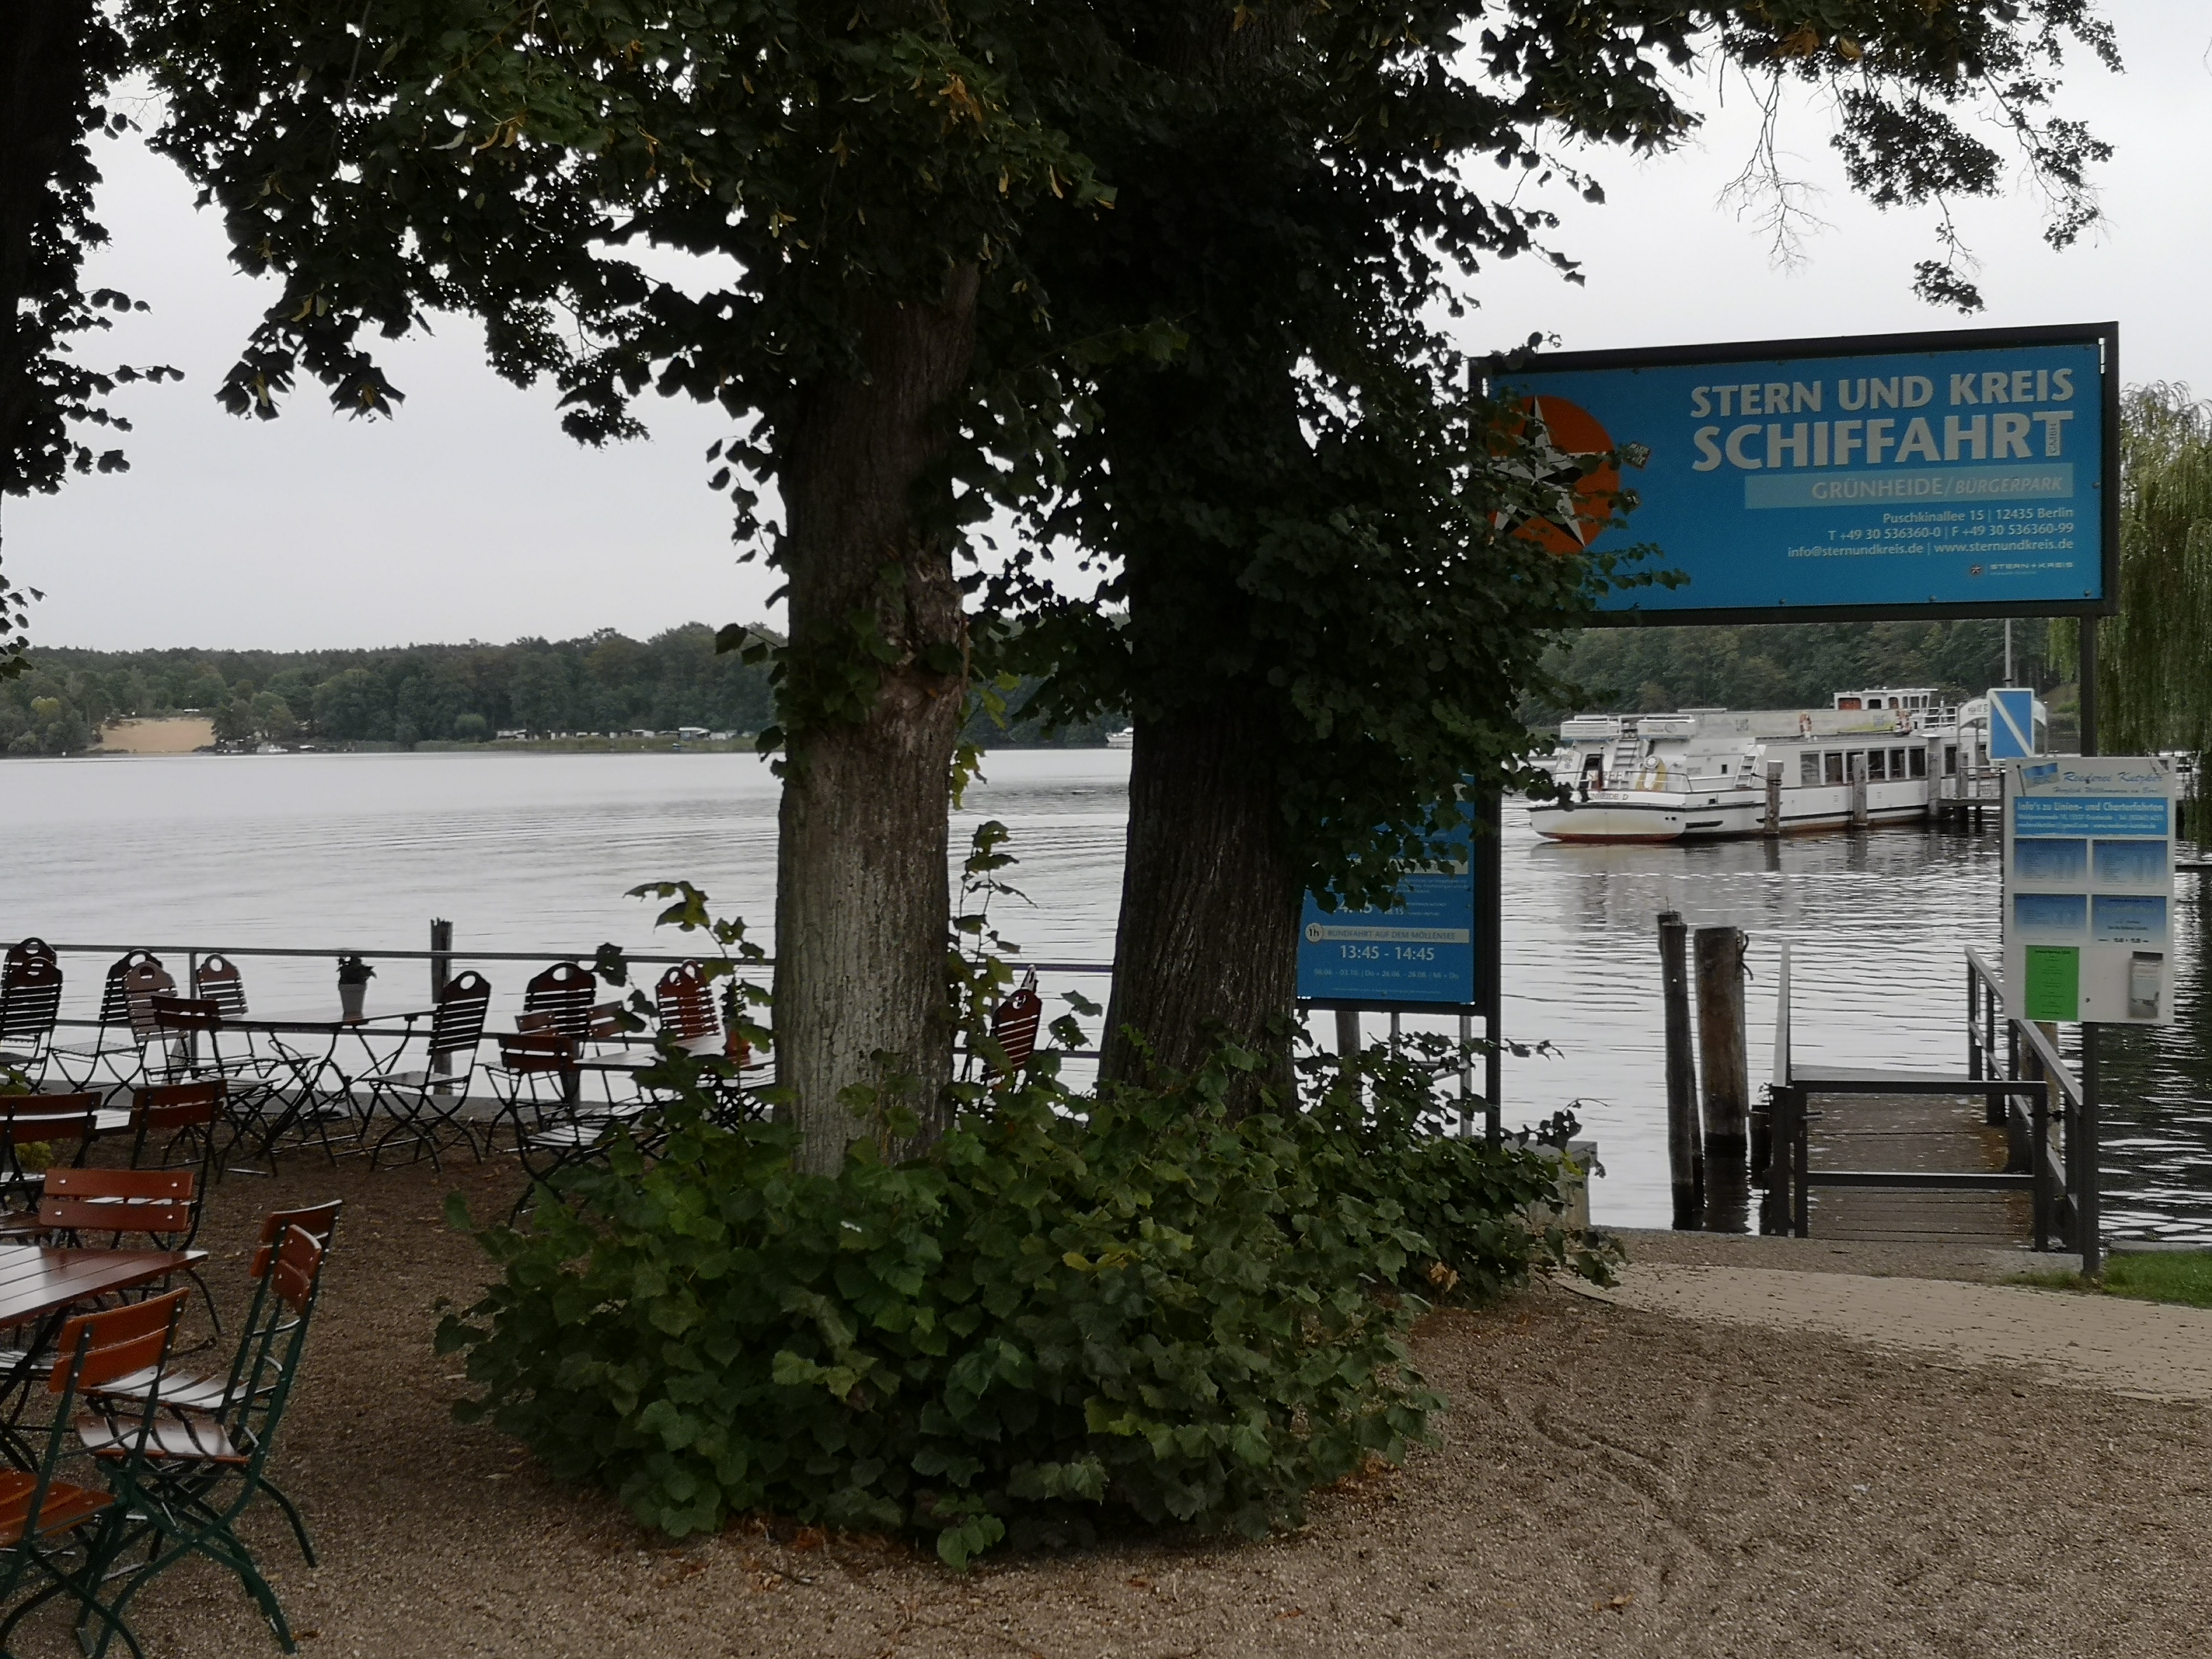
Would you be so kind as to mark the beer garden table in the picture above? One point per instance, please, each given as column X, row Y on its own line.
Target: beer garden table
column 39, row 1285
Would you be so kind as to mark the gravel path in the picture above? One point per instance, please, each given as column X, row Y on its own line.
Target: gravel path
column 1613, row 1480
column 2140, row 1348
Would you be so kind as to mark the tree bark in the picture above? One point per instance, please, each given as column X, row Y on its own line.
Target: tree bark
column 1207, row 947
column 862, row 1015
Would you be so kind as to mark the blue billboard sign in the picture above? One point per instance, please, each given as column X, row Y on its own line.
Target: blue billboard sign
column 1969, row 473
column 1419, row 955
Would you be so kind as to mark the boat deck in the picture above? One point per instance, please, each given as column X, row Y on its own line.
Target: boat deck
column 1912, row 1131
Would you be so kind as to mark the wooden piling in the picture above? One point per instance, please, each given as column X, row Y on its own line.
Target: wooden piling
column 1685, row 1160
column 1773, row 825
column 1858, row 780
column 1720, row 1040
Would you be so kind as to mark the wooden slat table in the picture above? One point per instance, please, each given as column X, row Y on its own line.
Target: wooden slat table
column 39, row 1285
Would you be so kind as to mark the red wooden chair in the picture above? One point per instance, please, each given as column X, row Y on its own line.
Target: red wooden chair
column 44, row 1519
column 217, row 1394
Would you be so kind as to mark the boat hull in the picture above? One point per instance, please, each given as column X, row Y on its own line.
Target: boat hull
column 1617, row 816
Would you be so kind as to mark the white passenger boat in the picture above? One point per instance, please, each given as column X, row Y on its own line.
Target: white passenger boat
column 1885, row 755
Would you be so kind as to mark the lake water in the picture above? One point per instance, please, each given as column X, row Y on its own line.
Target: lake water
column 535, row 852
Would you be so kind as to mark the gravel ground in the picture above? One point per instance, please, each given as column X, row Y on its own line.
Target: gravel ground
column 1612, row 1481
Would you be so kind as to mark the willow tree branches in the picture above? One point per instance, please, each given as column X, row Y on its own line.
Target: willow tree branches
column 2154, row 662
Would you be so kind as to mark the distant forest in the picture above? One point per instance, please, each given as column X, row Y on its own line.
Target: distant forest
column 403, row 695
column 1799, row 665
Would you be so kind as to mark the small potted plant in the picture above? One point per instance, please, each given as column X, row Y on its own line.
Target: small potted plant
column 354, row 976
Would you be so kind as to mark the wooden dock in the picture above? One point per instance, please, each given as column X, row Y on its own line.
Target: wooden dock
column 2000, row 1153
column 1912, row 1132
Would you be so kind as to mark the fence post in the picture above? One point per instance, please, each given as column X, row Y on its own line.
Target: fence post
column 1685, row 1160
column 2088, row 1206
column 442, row 967
column 1973, row 1023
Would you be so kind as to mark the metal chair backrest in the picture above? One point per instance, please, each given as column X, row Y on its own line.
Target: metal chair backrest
column 142, row 982
column 565, row 991
column 459, row 1020
column 686, row 1003
column 116, row 995
column 175, row 1014
column 178, row 1110
column 30, row 1003
column 318, row 1221
column 163, row 1204
column 22, row 953
column 536, row 1051
column 217, row 979
column 27, row 1120
column 94, row 1349
column 268, row 1360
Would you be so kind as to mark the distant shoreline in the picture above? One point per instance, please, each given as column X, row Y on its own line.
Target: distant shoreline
column 496, row 746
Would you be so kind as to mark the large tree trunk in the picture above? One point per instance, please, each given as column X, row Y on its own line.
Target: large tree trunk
column 862, row 1020
column 1208, row 945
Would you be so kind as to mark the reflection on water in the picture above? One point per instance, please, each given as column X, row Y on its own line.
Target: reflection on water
column 529, row 852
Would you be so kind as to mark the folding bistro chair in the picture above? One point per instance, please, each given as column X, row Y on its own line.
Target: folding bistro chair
column 30, row 1003
column 179, row 1115
column 118, row 1044
column 43, row 1518
column 563, row 994
column 426, row 1104
column 199, row 1471
column 49, row 1121
column 214, row 1393
column 217, row 979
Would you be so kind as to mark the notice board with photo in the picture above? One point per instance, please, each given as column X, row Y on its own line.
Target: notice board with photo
column 2088, row 890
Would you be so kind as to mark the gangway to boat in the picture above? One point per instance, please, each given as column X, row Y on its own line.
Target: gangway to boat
column 2000, row 1154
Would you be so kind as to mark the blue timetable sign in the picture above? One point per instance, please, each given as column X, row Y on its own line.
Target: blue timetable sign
column 1971, row 473
column 1420, row 954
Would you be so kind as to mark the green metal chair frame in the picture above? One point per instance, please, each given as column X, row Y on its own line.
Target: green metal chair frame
column 42, row 1516
column 223, row 1396
column 202, row 1469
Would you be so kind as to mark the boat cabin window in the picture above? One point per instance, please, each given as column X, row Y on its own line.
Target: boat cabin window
column 1808, row 770
column 1833, row 768
column 1919, row 757
column 1950, row 760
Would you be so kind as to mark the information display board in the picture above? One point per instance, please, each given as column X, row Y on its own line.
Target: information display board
column 1420, row 956
column 1969, row 473
column 2088, row 890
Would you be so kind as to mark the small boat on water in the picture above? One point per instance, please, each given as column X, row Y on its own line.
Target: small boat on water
column 1890, row 755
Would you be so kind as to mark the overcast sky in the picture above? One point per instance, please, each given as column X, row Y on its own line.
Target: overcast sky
column 471, row 516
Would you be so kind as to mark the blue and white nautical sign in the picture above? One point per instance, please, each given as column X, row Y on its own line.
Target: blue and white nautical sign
column 2012, row 724
column 1966, row 471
